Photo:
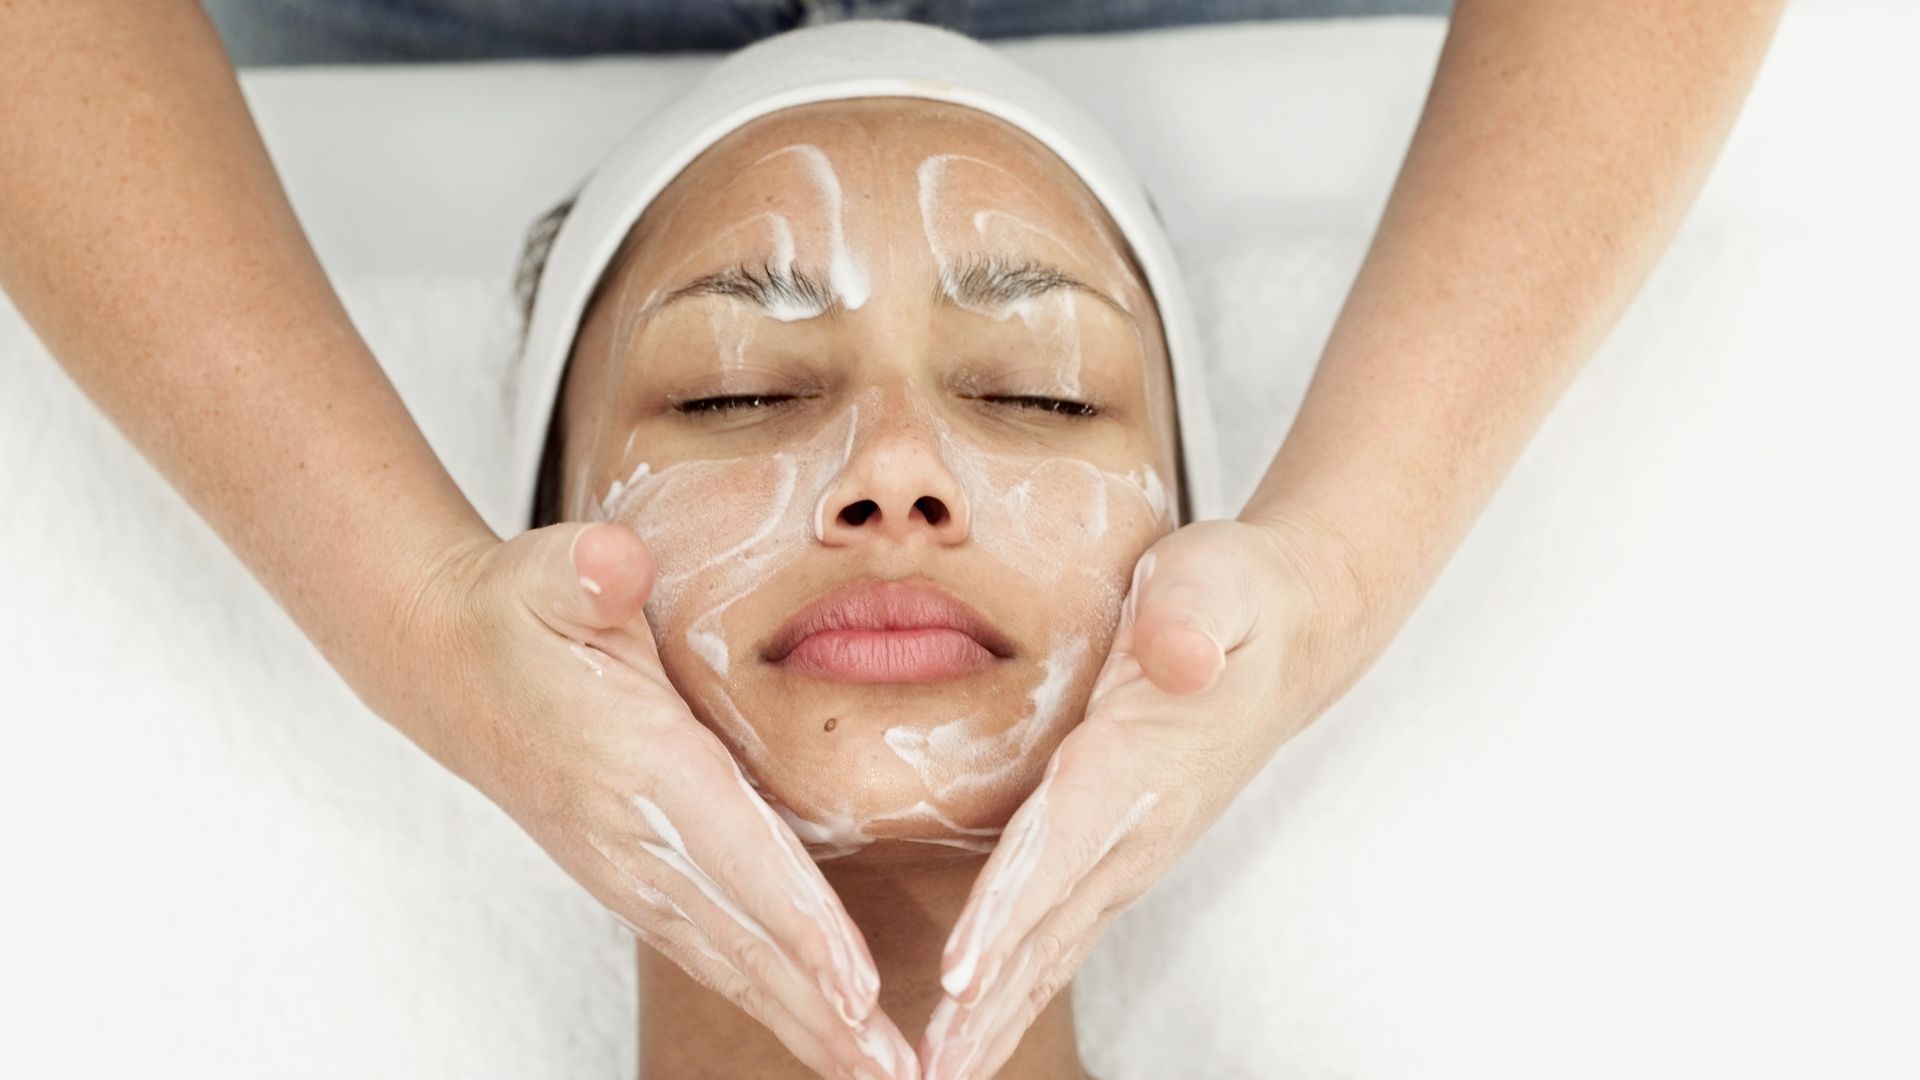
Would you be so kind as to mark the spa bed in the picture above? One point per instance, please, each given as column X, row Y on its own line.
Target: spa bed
column 1632, row 795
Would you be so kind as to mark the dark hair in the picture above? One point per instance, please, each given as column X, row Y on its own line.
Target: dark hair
column 526, row 284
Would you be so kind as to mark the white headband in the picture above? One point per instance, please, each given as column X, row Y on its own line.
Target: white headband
column 832, row 63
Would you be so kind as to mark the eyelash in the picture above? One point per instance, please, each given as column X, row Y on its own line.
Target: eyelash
column 729, row 402
column 726, row 403
column 1060, row 406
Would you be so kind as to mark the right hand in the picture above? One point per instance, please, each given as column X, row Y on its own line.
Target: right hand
column 546, row 692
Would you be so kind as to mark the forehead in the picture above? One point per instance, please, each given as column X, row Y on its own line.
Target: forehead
column 901, row 166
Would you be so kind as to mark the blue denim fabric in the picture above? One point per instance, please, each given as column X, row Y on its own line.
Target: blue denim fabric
column 260, row 32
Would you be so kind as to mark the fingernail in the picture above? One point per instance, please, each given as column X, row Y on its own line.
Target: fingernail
column 957, row 935
column 909, row 1067
column 864, row 995
column 939, row 1036
column 1219, row 663
column 985, row 983
column 842, row 1002
column 955, row 979
column 573, row 549
column 887, row 1050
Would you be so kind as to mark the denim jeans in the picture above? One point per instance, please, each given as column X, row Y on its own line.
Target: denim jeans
column 261, row 32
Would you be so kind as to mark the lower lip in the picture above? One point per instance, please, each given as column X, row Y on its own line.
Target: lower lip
column 889, row 656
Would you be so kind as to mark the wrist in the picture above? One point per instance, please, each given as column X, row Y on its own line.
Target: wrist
column 1341, row 586
column 415, row 659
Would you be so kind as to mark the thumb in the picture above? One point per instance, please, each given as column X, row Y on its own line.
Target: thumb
column 1190, row 607
column 589, row 577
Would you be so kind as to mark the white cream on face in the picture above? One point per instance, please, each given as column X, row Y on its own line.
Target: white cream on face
column 845, row 273
column 721, row 528
column 725, row 525
column 1052, row 318
column 956, row 756
column 954, row 226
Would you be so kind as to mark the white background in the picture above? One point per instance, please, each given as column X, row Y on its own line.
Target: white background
column 1633, row 795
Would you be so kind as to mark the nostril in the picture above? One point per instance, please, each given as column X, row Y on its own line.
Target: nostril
column 858, row 513
column 931, row 508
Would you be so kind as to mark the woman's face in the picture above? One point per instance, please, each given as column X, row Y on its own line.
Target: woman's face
column 879, row 385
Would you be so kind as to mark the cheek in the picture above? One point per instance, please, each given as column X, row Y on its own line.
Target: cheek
column 1063, row 526
column 1070, row 534
column 718, row 530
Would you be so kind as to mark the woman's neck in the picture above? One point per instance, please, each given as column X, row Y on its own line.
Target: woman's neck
column 688, row 1031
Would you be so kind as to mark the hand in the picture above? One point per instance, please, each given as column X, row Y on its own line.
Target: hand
column 1233, row 637
column 550, row 698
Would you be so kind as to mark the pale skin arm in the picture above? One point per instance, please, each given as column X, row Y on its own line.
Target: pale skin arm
column 1562, row 142
column 1561, row 146
column 145, row 237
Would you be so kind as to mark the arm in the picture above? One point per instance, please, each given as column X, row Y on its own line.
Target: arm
column 1561, row 145
column 145, row 237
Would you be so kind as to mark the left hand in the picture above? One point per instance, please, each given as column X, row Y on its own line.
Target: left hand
column 1233, row 638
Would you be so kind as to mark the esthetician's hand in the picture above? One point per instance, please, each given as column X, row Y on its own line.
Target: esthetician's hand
column 568, row 722
column 1233, row 637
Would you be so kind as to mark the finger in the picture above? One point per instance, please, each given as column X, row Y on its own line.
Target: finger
column 744, row 859
column 955, row 1033
column 763, row 979
column 1190, row 607
column 659, row 921
column 809, row 892
column 976, row 1039
column 683, row 944
column 1017, row 1013
column 589, row 577
column 1068, row 825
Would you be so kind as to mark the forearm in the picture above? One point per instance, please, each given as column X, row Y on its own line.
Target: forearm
column 145, row 237
column 1561, row 145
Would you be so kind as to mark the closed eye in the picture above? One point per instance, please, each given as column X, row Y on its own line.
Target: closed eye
column 728, row 402
column 1062, row 406
column 725, row 403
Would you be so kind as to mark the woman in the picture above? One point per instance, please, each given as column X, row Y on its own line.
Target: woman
column 886, row 391
column 1559, row 148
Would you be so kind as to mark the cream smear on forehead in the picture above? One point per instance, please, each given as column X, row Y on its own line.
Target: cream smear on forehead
column 734, row 326
column 846, row 274
column 1052, row 317
column 932, row 177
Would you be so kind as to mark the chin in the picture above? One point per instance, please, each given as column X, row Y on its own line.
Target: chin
column 893, row 773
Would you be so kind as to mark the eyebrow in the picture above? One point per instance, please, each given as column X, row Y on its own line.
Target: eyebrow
column 976, row 281
column 773, row 288
column 993, row 281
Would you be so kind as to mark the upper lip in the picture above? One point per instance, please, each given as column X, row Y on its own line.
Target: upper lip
column 885, row 605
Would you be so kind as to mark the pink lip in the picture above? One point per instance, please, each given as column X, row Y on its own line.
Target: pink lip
column 887, row 632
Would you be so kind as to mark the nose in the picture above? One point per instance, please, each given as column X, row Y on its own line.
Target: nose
column 895, row 487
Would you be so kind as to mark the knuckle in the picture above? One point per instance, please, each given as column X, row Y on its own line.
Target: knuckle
column 1044, row 988
column 1047, row 948
column 1079, row 849
column 726, row 866
column 753, row 1001
column 753, row 958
